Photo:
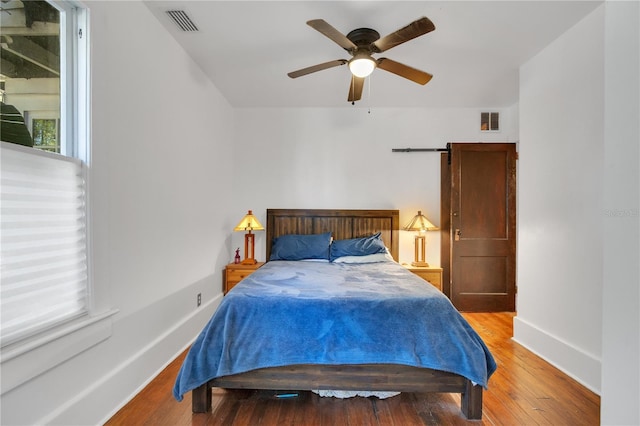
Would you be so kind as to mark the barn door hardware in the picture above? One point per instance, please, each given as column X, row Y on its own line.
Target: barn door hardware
column 447, row 150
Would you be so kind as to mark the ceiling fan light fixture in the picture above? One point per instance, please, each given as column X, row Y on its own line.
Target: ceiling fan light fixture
column 362, row 65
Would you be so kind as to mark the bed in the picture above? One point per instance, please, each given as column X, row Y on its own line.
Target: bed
column 353, row 321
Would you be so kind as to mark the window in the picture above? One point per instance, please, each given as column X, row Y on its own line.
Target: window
column 44, row 255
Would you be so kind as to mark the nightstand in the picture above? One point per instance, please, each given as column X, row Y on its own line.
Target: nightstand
column 429, row 273
column 234, row 272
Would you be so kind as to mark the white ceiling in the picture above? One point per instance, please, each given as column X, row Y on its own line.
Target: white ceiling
column 248, row 47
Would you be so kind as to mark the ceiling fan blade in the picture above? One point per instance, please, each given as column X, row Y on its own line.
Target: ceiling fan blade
column 322, row 26
column 405, row 71
column 415, row 29
column 319, row 67
column 355, row 88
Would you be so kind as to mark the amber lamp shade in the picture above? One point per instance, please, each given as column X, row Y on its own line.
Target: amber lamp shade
column 249, row 223
column 420, row 224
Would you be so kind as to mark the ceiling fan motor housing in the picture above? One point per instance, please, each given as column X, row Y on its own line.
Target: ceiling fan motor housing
column 363, row 37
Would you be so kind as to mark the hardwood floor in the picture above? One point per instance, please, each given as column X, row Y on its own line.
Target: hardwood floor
column 525, row 390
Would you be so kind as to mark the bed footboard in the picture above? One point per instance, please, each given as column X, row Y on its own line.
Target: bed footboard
column 386, row 377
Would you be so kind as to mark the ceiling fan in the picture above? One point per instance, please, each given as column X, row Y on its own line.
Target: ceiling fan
column 361, row 43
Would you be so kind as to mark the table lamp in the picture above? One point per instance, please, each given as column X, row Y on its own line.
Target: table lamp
column 249, row 223
column 421, row 224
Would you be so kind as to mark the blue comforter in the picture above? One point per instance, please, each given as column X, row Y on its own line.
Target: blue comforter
column 331, row 313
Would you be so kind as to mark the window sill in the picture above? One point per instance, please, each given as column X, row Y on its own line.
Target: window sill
column 25, row 360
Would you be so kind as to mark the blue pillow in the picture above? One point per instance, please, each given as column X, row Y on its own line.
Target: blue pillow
column 299, row 247
column 357, row 247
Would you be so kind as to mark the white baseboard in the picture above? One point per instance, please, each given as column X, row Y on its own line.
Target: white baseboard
column 571, row 360
column 99, row 402
column 205, row 313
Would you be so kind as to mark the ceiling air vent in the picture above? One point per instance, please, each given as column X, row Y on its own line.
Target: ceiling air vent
column 182, row 20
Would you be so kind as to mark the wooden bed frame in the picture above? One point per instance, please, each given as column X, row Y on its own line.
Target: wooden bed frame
column 376, row 377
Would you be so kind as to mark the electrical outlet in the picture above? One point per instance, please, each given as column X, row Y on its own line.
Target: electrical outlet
column 199, row 299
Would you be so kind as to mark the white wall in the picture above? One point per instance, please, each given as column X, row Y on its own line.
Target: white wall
column 341, row 158
column 578, row 277
column 560, row 210
column 577, row 263
column 159, row 218
column 621, row 289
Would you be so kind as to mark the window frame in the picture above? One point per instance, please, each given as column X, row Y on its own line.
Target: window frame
column 75, row 91
column 27, row 358
column 74, row 87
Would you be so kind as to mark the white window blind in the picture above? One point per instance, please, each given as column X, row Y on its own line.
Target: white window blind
column 43, row 241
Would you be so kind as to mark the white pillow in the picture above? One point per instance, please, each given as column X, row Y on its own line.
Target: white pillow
column 369, row 258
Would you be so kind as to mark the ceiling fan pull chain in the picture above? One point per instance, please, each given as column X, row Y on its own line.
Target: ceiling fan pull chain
column 369, row 95
column 353, row 91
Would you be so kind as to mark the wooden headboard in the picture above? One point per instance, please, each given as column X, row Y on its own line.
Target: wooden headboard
column 342, row 224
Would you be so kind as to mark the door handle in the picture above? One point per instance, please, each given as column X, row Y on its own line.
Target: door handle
column 457, row 234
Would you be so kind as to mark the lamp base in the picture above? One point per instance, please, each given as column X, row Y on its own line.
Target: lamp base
column 420, row 264
column 249, row 249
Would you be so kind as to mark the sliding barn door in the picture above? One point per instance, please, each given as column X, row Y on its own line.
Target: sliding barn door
column 481, row 234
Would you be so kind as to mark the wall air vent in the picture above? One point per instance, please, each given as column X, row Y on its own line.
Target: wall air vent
column 182, row 20
column 489, row 121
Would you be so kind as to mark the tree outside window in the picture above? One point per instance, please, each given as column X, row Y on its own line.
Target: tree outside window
column 45, row 134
